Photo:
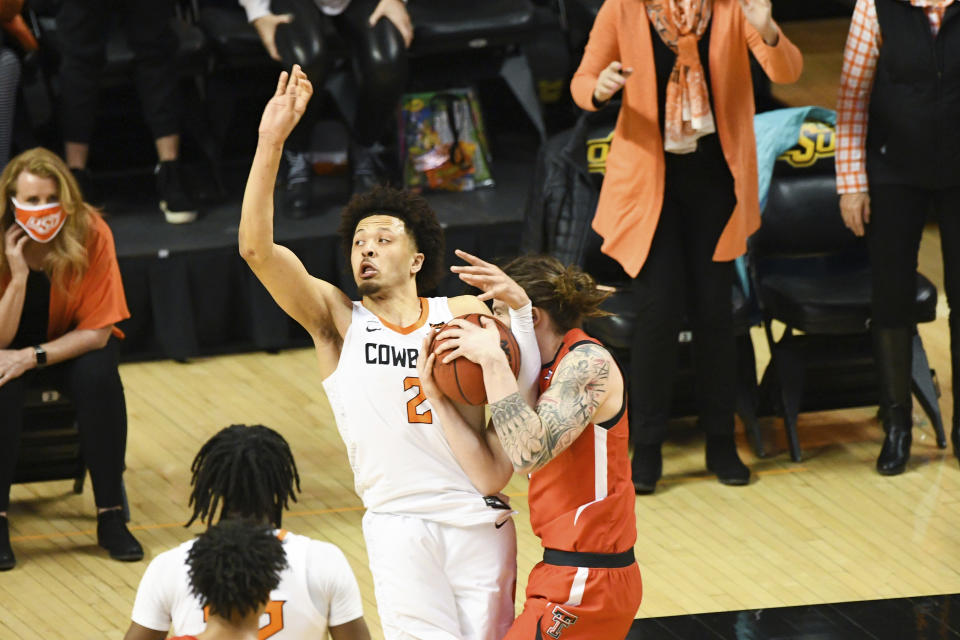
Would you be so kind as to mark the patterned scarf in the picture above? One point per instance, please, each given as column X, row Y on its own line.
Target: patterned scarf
column 687, row 115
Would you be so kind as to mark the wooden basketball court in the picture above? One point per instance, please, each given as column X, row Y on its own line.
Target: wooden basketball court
column 828, row 529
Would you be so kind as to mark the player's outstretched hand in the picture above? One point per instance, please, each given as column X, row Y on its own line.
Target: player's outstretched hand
column 425, row 372
column 476, row 344
column 490, row 279
column 287, row 105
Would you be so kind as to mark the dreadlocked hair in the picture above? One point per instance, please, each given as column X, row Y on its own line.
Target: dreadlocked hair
column 234, row 566
column 566, row 292
column 419, row 219
column 244, row 472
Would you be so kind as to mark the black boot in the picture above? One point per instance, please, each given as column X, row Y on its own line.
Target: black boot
column 297, row 190
column 955, row 433
column 7, row 559
column 893, row 351
column 723, row 460
column 177, row 205
column 113, row 535
column 646, row 467
column 368, row 166
column 88, row 188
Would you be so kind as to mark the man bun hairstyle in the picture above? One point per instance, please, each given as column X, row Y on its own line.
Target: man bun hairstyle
column 234, row 566
column 420, row 221
column 566, row 292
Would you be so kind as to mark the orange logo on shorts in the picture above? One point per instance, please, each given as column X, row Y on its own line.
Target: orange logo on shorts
column 561, row 620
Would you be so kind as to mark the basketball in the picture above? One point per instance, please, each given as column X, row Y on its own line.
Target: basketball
column 462, row 380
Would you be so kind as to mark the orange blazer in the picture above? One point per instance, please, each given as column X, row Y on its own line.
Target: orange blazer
column 98, row 300
column 632, row 193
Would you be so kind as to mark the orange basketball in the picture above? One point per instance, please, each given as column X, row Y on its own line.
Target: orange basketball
column 462, row 380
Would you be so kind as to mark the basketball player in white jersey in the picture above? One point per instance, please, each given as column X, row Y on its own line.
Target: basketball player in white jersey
column 442, row 552
column 248, row 474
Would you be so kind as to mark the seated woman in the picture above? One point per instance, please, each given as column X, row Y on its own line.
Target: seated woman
column 60, row 297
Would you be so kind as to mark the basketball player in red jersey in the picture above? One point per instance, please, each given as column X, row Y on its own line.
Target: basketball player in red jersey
column 588, row 586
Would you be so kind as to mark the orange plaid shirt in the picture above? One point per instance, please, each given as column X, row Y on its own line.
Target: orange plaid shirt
column 856, row 81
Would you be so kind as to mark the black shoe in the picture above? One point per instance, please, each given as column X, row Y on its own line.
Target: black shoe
column 723, row 460
column 177, row 205
column 955, row 436
column 646, row 468
column 893, row 349
column 895, row 452
column 368, row 167
column 113, row 535
column 296, row 192
column 7, row 559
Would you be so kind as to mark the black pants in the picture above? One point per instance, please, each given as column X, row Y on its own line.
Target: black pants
column 678, row 281
column 379, row 63
column 92, row 382
column 82, row 26
column 897, row 217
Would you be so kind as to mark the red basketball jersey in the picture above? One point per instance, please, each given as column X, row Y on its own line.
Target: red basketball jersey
column 583, row 500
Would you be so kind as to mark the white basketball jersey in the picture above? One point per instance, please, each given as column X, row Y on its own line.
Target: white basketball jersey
column 401, row 461
column 165, row 601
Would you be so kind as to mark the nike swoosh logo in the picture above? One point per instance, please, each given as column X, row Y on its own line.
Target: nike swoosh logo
column 372, row 329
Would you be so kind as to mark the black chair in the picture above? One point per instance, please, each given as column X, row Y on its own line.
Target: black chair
column 559, row 211
column 459, row 41
column 813, row 275
column 50, row 441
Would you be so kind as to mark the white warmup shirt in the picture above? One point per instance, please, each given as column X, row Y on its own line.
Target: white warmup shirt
column 317, row 590
column 401, row 461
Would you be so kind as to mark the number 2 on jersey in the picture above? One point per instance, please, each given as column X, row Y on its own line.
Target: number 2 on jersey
column 413, row 416
column 274, row 614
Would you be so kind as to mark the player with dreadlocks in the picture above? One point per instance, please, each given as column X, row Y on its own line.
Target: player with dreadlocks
column 248, row 474
column 233, row 567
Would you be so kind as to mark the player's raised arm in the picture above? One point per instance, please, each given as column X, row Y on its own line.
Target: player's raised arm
column 313, row 303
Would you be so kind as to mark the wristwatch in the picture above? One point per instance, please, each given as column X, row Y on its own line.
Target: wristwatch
column 41, row 356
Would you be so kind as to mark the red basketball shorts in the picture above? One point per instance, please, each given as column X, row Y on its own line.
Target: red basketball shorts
column 578, row 603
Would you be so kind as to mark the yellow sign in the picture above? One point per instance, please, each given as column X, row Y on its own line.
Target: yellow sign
column 816, row 141
column 597, row 150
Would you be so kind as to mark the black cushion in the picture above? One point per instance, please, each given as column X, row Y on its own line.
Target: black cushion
column 802, row 218
column 230, row 33
column 812, row 273
column 463, row 24
column 190, row 51
column 836, row 303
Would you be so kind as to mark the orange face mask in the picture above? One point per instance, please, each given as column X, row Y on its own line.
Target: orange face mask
column 42, row 222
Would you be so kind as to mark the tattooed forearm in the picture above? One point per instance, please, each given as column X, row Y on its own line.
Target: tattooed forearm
column 519, row 429
column 533, row 438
